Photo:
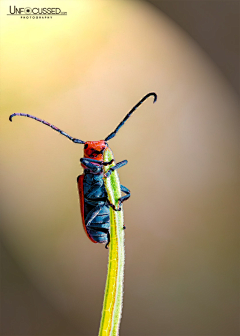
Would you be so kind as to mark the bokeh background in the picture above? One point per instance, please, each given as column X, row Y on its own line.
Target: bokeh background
column 83, row 72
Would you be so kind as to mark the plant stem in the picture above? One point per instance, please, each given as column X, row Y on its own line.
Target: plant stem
column 112, row 305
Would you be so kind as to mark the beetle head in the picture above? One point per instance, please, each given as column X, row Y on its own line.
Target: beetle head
column 94, row 149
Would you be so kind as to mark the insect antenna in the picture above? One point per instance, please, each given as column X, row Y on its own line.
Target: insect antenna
column 46, row 123
column 112, row 135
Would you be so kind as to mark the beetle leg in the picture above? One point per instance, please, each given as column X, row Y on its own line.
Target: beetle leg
column 116, row 209
column 108, row 163
column 117, row 166
column 113, row 206
column 94, row 165
column 99, row 162
column 95, row 168
column 121, row 200
column 125, row 197
column 92, row 191
column 91, row 160
column 93, row 213
column 108, row 236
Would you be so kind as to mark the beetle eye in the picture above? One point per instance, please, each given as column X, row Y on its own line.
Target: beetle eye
column 85, row 146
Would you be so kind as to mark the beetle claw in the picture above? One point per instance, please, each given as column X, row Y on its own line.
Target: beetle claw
column 119, row 208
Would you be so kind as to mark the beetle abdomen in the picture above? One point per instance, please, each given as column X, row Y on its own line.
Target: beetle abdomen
column 95, row 196
column 99, row 226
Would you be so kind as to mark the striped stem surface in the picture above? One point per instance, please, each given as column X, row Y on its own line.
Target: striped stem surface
column 113, row 297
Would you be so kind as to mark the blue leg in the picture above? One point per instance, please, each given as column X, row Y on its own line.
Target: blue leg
column 92, row 191
column 124, row 198
column 97, row 161
column 121, row 200
column 117, row 166
column 91, row 164
column 93, row 167
column 93, row 213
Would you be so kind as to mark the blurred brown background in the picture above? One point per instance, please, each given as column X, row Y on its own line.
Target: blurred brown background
column 214, row 25
column 83, row 74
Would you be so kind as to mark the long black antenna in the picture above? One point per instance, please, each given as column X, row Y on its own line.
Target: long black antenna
column 112, row 135
column 46, row 123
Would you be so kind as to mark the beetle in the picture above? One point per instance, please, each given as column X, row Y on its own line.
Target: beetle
column 94, row 203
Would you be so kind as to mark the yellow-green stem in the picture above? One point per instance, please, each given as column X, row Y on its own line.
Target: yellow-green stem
column 112, row 305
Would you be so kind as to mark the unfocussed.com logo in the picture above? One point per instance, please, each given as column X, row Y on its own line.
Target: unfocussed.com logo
column 35, row 12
